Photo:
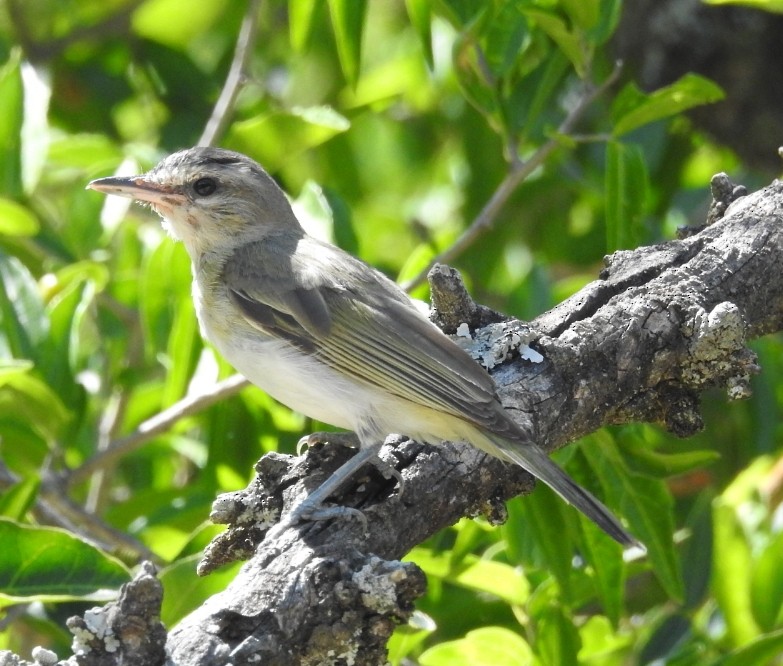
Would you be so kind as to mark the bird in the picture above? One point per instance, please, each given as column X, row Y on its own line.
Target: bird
column 325, row 333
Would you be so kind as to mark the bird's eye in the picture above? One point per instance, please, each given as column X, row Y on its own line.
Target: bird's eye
column 205, row 186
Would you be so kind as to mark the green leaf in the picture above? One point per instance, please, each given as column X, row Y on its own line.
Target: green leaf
column 16, row 220
column 732, row 566
column 528, row 103
column 58, row 357
column 11, row 117
column 49, row 564
column 609, row 17
column 184, row 591
column 23, row 321
column 472, row 572
column 303, row 17
column 669, row 464
column 348, row 21
column 183, row 348
column 540, row 517
column 570, row 43
column 557, row 640
column 274, row 138
column 165, row 278
column 25, row 398
column 766, row 585
column 17, row 500
column 775, row 6
column 608, row 569
column 644, row 502
column 601, row 645
column 420, row 13
column 633, row 109
column 761, row 651
column 625, row 194
column 504, row 39
column 36, row 80
column 314, row 212
column 164, row 21
column 488, row 646
column 583, row 13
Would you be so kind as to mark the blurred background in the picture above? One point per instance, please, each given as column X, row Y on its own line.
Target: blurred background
column 390, row 123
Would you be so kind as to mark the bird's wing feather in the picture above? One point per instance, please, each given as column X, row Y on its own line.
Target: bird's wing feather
column 369, row 330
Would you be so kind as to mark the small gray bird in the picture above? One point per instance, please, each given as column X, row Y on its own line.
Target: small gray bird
column 321, row 331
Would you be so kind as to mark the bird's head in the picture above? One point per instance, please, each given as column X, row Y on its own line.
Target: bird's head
column 212, row 199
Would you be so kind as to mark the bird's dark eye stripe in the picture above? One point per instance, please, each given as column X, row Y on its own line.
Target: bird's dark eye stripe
column 205, row 186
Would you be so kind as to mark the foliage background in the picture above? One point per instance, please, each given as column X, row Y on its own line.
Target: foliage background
column 391, row 124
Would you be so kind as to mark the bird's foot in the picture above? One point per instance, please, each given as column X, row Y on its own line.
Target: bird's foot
column 314, row 508
column 346, row 439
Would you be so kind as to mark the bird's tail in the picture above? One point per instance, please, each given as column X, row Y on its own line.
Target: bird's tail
column 535, row 461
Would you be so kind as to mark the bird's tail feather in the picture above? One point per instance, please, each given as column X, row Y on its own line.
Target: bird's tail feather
column 535, row 461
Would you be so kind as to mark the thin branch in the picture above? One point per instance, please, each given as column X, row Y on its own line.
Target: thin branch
column 155, row 425
column 518, row 172
column 237, row 74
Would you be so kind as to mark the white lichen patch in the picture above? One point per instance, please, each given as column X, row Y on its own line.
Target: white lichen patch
column 463, row 331
column 96, row 628
column 496, row 343
column 378, row 585
column 44, row 657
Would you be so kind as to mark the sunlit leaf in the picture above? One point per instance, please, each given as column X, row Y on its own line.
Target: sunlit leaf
column 766, row 585
column 569, row 42
column 273, row 138
column 496, row 578
column 765, row 5
column 420, row 12
column 23, row 324
column 557, row 639
column 165, row 22
column 732, row 565
column 16, row 220
column 488, row 646
column 633, row 109
column 31, row 566
column 758, row 652
column 625, row 194
column 24, row 397
column 35, row 130
column 11, row 119
column 348, row 22
column 303, row 17
column 17, row 500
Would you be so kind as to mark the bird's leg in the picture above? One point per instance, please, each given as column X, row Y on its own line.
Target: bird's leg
column 351, row 440
column 312, row 507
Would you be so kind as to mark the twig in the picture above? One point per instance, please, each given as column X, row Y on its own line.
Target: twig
column 518, row 171
column 156, row 425
column 221, row 114
column 59, row 509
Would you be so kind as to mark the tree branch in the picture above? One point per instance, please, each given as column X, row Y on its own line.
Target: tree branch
column 237, row 74
column 662, row 324
column 155, row 425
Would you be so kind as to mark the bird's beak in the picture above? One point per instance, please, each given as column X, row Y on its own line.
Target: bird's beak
column 135, row 187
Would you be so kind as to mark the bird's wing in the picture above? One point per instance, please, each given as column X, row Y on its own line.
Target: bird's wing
column 361, row 324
